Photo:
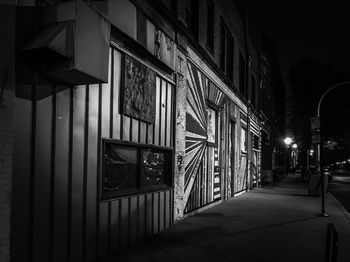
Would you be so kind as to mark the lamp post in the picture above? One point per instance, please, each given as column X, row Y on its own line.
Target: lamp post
column 287, row 141
column 320, row 148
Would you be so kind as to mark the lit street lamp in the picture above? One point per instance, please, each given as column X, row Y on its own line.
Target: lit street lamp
column 320, row 146
column 287, row 141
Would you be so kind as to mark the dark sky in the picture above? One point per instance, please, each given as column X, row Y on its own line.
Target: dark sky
column 316, row 29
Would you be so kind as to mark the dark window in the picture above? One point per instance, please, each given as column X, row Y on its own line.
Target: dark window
column 253, row 91
column 229, row 58
column 242, row 74
column 222, row 46
column 210, row 25
column 191, row 16
column 120, row 167
column 226, row 51
column 153, row 162
column 130, row 168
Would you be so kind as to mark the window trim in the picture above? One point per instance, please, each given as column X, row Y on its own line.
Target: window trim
column 226, row 37
column 211, row 105
column 140, row 189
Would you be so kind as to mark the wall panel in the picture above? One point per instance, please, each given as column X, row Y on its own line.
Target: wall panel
column 125, row 224
column 141, row 216
column 41, row 215
column 103, row 236
column 133, row 218
column 91, row 173
column 61, row 175
column 78, row 143
column 115, row 226
column 20, row 227
column 116, row 68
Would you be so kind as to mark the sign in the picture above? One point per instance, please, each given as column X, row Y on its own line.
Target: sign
column 315, row 137
column 315, row 123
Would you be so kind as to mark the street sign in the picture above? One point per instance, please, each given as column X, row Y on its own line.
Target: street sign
column 315, row 123
column 316, row 138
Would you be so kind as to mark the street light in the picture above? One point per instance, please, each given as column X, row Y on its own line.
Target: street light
column 287, row 141
column 294, row 146
column 320, row 146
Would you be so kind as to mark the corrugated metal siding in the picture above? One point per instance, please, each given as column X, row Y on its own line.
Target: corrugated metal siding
column 58, row 214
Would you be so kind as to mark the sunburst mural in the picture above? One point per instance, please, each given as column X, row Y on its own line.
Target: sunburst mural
column 199, row 90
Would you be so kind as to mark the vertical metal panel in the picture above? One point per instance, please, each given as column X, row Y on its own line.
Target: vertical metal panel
column 124, row 216
column 92, row 173
column 155, row 213
column 171, row 203
column 42, row 180
column 141, row 216
column 205, row 177
column 150, row 133
column 21, row 180
column 61, row 175
column 167, row 208
column 149, row 214
column 126, row 128
column 77, row 171
column 143, row 130
column 116, row 67
column 103, row 226
column 115, row 225
column 133, row 220
column 163, row 107
column 135, row 130
column 106, row 107
column 161, row 210
column 169, row 106
column 157, row 120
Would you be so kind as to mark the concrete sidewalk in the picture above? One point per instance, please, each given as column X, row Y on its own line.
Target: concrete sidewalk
column 273, row 223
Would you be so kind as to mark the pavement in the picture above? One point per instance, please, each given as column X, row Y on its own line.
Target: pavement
column 278, row 222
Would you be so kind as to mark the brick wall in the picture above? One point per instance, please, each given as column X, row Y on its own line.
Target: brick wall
column 179, row 171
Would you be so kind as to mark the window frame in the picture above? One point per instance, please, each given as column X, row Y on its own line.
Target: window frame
column 140, row 188
column 227, row 51
column 212, row 106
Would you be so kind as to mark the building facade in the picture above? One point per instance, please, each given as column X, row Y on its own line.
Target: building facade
column 124, row 117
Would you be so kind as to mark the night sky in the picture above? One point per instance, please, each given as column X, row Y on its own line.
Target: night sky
column 316, row 29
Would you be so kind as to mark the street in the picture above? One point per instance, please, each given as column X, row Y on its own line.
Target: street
column 340, row 188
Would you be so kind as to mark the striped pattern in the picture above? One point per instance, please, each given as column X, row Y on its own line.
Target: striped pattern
column 202, row 169
column 213, row 93
column 217, row 193
column 254, row 128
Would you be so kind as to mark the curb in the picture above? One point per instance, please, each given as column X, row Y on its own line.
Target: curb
column 340, row 206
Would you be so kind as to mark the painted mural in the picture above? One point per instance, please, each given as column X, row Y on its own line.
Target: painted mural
column 202, row 163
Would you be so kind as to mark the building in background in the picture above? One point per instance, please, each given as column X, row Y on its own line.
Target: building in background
column 126, row 117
